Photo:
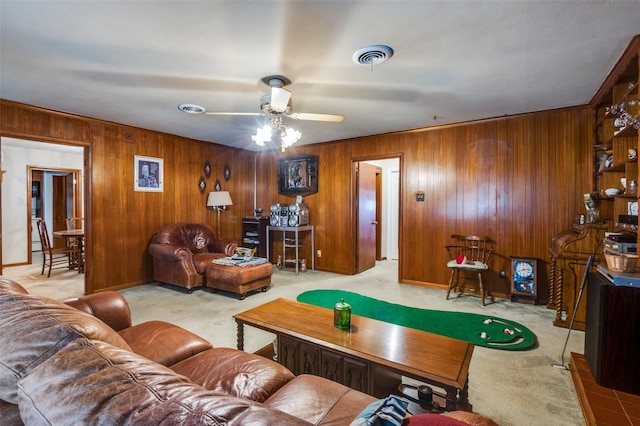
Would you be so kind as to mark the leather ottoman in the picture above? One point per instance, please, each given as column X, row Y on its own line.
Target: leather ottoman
column 237, row 279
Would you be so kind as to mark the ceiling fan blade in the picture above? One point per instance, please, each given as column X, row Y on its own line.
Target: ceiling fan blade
column 279, row 99
column 335, row 118
column 235, row 113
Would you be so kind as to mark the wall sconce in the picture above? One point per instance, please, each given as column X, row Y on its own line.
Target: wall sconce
column 219, row 200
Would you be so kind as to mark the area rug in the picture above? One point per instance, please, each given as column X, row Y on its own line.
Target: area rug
column 482, row 330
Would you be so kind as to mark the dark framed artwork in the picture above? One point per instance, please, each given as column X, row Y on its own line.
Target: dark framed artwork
column 217, row 186
column 227, row 173
column 207, row 168
column 202, row 184
column 298, row 175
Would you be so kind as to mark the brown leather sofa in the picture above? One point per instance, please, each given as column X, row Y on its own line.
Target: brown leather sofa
column 182, row 251
column 83, row 362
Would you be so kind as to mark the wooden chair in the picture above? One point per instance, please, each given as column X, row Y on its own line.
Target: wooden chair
column 470, row 256
column 75, row 223
column 54, row 257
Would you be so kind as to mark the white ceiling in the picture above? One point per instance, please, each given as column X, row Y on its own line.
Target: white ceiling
column 133, row 62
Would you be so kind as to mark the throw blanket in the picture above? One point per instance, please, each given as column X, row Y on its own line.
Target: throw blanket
column 242, row 261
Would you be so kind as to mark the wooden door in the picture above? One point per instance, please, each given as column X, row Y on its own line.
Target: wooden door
column 59, row 209
column 380, row 225
column 366, row 211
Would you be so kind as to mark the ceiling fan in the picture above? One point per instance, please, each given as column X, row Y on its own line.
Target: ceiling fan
column 278, row 102
column 274, row 105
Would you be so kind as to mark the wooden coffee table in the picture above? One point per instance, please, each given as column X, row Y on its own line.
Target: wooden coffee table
column 364, row 357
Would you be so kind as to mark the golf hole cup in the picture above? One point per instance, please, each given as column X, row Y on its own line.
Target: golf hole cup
column 342, row 315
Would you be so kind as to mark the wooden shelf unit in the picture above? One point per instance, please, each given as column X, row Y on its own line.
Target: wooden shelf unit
column 254, row 234
column 620, row 87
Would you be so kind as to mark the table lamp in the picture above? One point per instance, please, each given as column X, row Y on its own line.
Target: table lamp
column 219, row 200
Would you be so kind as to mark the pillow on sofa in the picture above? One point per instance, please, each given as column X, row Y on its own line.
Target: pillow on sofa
column 34, row 328
column 98, row 384
column 452, row 418
column 235, row 372
column 432, row 419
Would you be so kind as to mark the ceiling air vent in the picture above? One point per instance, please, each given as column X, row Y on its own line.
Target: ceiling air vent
column 372, row 55
column 192, row 109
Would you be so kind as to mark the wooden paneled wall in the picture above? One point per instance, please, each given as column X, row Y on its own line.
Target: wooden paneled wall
column 517, row 179
column 121, row 222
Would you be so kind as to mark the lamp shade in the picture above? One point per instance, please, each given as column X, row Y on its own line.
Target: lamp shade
column 219, row 199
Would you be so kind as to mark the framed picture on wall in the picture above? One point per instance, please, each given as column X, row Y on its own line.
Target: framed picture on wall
column 148, row 174
column 298, row 175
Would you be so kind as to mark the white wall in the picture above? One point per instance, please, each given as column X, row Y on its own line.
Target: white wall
column 16, row 156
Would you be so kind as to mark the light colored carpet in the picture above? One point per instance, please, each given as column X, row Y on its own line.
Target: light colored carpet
column 513, row 388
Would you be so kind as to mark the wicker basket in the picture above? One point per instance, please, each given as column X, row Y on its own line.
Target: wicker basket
column 621, row 263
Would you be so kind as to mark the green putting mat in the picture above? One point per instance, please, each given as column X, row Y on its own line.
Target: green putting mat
column 481, row 330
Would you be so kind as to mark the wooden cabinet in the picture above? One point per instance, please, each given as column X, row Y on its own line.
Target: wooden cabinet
column 569, row 252
column 254, row 234
column 617, row 120
column 305, row 358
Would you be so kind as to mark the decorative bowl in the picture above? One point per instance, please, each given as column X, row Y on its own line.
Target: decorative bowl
column 612, row 191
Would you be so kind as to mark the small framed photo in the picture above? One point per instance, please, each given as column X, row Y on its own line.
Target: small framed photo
column 148, row 174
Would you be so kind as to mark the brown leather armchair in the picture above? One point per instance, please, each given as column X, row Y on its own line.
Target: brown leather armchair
column 182, row 251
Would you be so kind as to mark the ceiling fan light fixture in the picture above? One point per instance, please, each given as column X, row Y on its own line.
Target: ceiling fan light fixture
column 192, row 109
column 274, row 106
column 373, row 54
column 288, row 137
column 263, row 134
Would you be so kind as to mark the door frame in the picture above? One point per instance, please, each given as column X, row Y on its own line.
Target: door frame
column 86, row 199
column 354, row 206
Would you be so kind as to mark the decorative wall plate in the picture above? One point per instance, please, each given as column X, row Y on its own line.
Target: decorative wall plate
column 202, row 184
column 207, row 168
column 227, row 173
column 217, row 187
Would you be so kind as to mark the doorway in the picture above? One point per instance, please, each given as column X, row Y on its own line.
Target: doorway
column 377, row 210
column 20, row 156
column 56, row 195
